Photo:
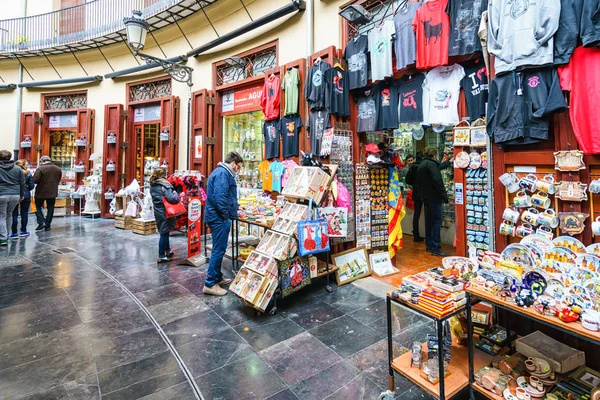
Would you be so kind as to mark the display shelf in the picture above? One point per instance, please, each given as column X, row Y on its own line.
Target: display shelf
column 248, row 221
column 486, row 393
column 574, row 328
column 332, row 268
column 455, row 381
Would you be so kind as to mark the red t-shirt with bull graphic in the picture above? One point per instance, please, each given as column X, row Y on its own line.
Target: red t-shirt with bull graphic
column 432, row 28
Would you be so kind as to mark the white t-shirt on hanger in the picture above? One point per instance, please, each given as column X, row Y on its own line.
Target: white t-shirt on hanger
column 441, row 90
column 380, row 47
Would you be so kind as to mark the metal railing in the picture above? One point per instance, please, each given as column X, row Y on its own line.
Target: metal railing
column 80, row 23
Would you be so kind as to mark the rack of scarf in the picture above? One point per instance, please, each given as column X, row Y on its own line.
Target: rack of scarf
column 188, row 184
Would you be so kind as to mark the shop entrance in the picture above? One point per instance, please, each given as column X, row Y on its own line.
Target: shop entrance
column 147, row 150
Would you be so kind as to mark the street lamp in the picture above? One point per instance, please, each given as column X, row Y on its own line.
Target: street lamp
column 137, row 29
column 356, row 14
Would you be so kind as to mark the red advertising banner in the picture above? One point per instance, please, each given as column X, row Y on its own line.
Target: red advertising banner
column 243, row 99
column 194, row 226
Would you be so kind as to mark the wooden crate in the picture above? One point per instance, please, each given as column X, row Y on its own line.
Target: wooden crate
column 123, row 222
column 62, row 202
column 62, row 211
column 143, row 227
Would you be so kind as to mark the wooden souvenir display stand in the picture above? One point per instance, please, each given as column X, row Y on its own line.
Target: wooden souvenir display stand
column 113, row 149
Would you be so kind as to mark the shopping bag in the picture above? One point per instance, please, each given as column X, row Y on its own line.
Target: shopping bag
column 294, row 274
column 337, row 220
column 313, row 235
column 132, row 209
column 173, row 210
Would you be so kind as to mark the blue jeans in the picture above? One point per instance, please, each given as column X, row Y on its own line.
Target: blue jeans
column 433, row 226
column 163, row 245
column 23, row 209
column 220, row 233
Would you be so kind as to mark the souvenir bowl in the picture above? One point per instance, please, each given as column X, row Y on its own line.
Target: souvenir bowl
column 519, row 254
column 593, row 249
column 540, row 241
column 561, row 254
column 570, row 243
column 588, row 261
column 555, row 289
column 542, row 368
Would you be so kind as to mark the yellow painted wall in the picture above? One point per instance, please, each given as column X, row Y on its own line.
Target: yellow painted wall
column 226, row 16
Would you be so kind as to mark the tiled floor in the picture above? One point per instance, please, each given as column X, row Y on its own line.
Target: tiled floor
column 67, row 331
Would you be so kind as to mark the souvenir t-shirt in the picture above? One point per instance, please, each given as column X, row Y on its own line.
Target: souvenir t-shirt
column 380, row 47
column 405, row 43
column 271, row 131
column 366, row 120
column 337, row 92
column 318, row 121
column 277, row 169
column 441, row 90
column 465, row 16
column 290, row 87
column 289, row 167
column 265, row 175
column 356, row 57
column 314, row 87
column 270, row 98
column 410, row 101
column 476, row 88
column 432, row 27
column 290, row 128
column 386, row 99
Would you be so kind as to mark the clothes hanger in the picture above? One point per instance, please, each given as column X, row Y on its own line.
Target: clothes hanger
column 317, row 61
column 338, row 65
column 403, row 5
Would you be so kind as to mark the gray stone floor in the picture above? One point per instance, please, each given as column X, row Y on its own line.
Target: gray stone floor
column 67, row 331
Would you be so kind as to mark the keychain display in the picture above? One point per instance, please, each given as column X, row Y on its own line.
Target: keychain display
column 379, row 207
column 341, row 155
column 478, row 235
column 363, row 206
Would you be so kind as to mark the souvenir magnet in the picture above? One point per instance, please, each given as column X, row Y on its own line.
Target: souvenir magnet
column 571, row 191
column 568, row 161
column 572, row 223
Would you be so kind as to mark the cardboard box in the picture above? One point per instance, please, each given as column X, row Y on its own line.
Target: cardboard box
column 561, row 357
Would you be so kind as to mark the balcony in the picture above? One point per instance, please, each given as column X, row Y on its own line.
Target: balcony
column 87, row 26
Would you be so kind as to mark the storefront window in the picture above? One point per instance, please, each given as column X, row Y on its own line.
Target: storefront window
column 147, row 151
column 62, row 152
column 243, row 134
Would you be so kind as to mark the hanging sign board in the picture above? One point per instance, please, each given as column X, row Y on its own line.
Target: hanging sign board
column 240, row 100
column 62, row 120
column 194, row 226
column 146, row 113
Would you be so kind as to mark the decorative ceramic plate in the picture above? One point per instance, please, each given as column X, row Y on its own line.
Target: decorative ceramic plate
column 582, row 300
column 553, row 269
column 577, row 276
column 519, row 254
column 561, row 254
column 508, row 395
column 593, row 287
column 475, row 158
column 462, row 160
column 536, row 280
column 463, row 264
column 540, row 241
column 528, row 388
column 593, row 249
column 537, row 252
column 588, row 261
column 555, row 289
column 570, row 243
column 542, row 368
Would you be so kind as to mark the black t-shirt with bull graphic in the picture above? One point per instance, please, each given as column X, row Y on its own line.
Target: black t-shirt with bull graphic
column 410, row 101
column 272, row 132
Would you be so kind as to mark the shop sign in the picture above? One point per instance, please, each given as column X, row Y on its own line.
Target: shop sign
column 146, row 113
column 62, row 120
column 194, row 226
column 241, row 99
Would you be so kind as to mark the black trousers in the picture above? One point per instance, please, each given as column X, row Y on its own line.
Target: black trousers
column 39, row 212
column 417, row 217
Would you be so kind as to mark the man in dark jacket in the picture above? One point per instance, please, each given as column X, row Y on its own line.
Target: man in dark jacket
column 12, row 186
column 433, row 195
column 412, row 179
column 47, row 177
column 221, row 208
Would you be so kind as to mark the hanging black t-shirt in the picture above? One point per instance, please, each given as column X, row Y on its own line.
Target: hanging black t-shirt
column 318, row 121
column 290, row 128
column 366, row 120
column 271, row 132
column 314, row 88
column 465, row 17
column 356, row 56
column 386, row 98
column 410, row 103
column 476, row 87
column 337, row 92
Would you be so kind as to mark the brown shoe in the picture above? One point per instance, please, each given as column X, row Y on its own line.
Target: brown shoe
column 215, row 290
column 224, row 281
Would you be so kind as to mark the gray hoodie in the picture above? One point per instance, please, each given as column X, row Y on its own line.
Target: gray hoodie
column 12, row 179
column 521, row 32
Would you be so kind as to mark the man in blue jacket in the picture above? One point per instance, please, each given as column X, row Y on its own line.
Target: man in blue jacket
column 221, row 208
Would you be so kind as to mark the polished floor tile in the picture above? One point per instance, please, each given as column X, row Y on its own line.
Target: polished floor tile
column 346, row 336
column 360, row 388
column 310, row 314
column 262, row 336
column 326, row 382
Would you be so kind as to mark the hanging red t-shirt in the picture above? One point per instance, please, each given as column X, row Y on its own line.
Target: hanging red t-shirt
column 270, row 98
column 432, row 28
column 582, row 78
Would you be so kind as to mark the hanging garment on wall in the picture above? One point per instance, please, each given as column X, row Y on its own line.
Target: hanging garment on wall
column 270, row 98
column 521, row 33
column 483, row 38
column 565, row 39
column 405, row 44
column 520, row 104
column 432, row 27
column 314, row 87
column 290, row 86
column 410, row 101
column 318, row 121
column 265, row 174
column 289, row 166
column 476, row 88
column 582, row 78
column 380, row 47
column 441, row 90
column 465, row 16
column 272, row 132
column 589, row 30
column 386, row 99
column 366, row 120
column 277, row 169
column 355, row 55
column 337, row 92
column 290, row 129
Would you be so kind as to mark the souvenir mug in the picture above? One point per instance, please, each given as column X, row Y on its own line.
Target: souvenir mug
column 596, row 226
column 522, row 199
column 531, row 216
column 511, row 215
column 549, row 219
column 507, row 229
column 595, row 186
column 524, row 230
column 528, row 182
column 510, row 181
column 547, row 185
column 545, row 231
column 541, row 200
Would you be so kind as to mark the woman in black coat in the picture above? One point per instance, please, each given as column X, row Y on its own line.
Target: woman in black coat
column 159, row 188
